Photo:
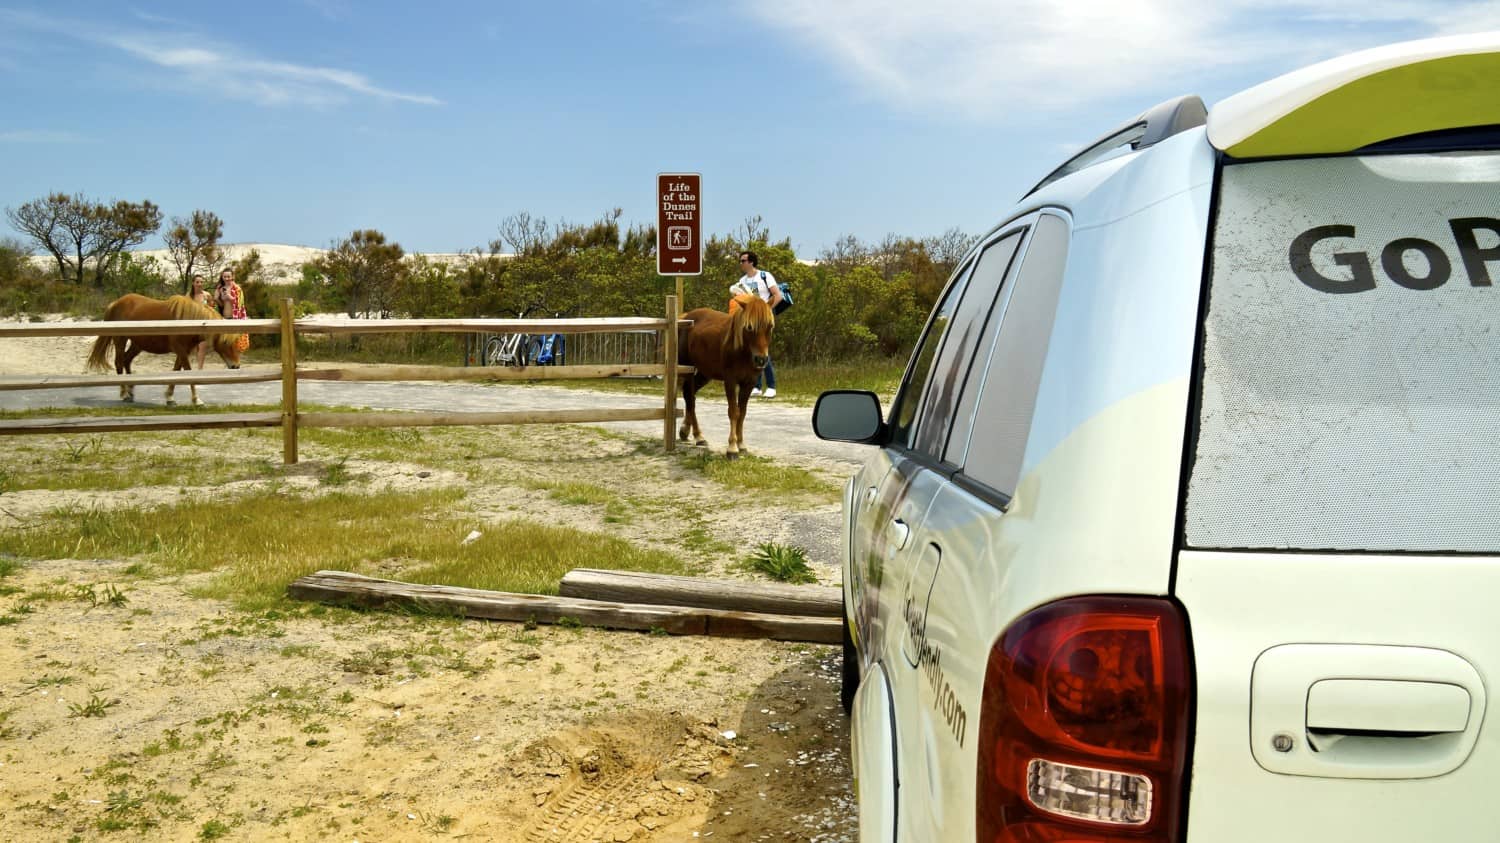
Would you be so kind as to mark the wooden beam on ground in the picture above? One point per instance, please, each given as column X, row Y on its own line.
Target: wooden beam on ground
column 480, row 373
column 343, row 588
column 668, row 590
column 188, row 378
column 382, row 419
column 120, row 424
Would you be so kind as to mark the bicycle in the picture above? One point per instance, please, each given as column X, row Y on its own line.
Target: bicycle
column 508, row 350
column 549, row 349
column 522, row 349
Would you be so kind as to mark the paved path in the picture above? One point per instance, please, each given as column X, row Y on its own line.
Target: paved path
column 774, row 429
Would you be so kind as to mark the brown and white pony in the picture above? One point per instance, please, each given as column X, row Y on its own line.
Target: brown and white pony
column 731, row 347
column 132, row 307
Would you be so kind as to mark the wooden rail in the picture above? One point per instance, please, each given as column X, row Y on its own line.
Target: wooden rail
column 601, row 325
column 119, row 424
column 290, row 419
column 479, row 373
column 172, row 378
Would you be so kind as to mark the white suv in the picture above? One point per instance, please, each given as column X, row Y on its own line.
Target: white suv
column 1183, row 524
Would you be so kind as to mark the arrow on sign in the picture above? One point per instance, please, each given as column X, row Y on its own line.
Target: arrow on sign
column 679, row 260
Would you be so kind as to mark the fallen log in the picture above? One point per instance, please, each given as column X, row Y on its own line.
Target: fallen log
column 342, row 588
column 669, row 590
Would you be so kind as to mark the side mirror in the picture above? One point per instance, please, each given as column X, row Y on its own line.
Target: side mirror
column 848, row 415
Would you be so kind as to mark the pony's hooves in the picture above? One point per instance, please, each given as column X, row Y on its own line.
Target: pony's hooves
column 702, row 443
column 682, row 434
column 732, row 455
column 171, row 402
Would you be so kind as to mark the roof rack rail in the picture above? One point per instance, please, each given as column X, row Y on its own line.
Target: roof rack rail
column 1153, row 126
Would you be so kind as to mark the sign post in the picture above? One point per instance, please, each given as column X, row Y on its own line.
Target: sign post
column 679, row 252
column 679, row 215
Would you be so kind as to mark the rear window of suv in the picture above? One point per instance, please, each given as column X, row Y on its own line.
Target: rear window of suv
column 1351, row 357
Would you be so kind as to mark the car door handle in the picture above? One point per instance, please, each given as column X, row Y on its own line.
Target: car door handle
column 900, row 533
column 1363, row 711
column 1383, row 709
column 869, row 497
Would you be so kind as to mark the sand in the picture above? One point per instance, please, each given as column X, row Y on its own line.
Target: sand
column 177, row 717
column 281, row 263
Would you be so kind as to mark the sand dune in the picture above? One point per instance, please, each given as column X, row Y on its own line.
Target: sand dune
column 282, row 263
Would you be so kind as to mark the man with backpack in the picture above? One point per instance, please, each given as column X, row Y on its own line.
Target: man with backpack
column 758, row 282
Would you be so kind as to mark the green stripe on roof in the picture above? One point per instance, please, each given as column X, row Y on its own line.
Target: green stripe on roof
column 1448, row 93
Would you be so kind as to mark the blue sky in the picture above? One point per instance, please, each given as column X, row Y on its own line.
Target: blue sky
column 298, row 121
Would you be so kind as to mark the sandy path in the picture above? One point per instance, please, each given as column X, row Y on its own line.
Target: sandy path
column 179, row 718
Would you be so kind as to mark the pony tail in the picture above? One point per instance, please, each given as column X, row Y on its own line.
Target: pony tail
column 97, row 354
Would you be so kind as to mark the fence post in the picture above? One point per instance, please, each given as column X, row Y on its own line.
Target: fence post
column 669, row 376
column 288, row 385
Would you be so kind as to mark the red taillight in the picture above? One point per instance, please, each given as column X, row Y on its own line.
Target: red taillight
column 1083, row 728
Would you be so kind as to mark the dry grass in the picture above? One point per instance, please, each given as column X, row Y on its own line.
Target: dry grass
column 248, row 545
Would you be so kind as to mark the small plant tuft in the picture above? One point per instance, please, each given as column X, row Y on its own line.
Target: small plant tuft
column 336, row 474
column 783, row 563
column 97, row 706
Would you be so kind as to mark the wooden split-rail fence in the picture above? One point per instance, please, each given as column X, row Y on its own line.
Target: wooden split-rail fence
column 290, row 419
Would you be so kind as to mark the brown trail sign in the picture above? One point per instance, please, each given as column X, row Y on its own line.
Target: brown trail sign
column 679, row 213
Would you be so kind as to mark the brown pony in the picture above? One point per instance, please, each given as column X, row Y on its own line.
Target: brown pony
column 731, row 347
column 132, row 307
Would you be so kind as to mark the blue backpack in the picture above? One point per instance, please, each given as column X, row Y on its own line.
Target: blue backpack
column 786, row 294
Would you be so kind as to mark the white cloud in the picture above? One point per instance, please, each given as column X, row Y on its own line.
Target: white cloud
column 331, row 9
column 223, row 69
column 230, row 71
column 983, row 58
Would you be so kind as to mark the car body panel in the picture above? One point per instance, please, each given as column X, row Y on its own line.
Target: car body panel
column 1121, row 330
column 993, row 567
column 1346, row 103
column 1244, row 605
column 941, row 565
column 873, row 741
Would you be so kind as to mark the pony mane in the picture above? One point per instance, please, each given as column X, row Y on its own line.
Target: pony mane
column 747, row 311
column 183, row 307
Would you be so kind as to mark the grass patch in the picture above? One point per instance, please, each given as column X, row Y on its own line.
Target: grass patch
column 802, row 384
column 389, row 444
column 783, row 563
column 577, row 493
column 406, row 349
column 759, row 474
column 93, row 464
column 528, row 557
column 250, row 545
